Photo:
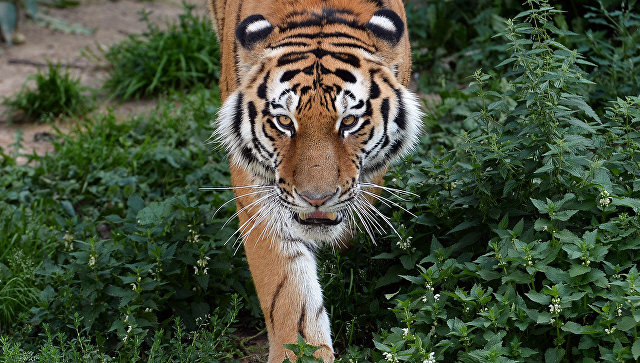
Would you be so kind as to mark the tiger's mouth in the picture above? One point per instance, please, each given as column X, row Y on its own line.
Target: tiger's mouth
column 318, row 218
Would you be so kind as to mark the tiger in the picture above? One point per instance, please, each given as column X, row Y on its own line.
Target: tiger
column 315, row 105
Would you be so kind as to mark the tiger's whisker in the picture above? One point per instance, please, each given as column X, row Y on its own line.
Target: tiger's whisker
column 383, row 217
column 389, row 189
column 235, row 198
column 387, row 201
column 237, row 213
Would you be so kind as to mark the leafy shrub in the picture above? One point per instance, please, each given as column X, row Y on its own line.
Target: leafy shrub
column 531, row 217
column 56, row 94
column 124, row 241
column 181, row 56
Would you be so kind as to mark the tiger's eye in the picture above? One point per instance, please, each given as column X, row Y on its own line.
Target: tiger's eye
column 284, row 121
column 348, row 121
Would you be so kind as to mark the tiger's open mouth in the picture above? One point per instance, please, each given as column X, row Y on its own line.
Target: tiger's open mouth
column 318, row 218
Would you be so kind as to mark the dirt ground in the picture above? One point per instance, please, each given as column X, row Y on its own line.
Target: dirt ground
column 111, row 20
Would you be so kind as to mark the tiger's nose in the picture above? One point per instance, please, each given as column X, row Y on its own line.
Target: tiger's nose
column 316, row 199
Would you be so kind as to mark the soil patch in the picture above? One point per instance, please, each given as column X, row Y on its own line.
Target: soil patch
column 112, row 22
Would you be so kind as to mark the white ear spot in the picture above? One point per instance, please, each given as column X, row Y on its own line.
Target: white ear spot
column 383, row 22
column 386, row 25
column 252, row 30
column 258, row 26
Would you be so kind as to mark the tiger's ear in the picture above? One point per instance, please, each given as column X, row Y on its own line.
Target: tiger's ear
column 253, row 30
column 387, row 27
column 385, row 24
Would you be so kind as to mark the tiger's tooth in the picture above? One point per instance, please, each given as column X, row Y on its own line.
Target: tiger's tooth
column 332, row 215
column 303, row 216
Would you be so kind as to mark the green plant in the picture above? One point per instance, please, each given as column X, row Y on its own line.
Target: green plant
column 303, row 351
column 55, row 94
column 181, row 56
column 531, row 217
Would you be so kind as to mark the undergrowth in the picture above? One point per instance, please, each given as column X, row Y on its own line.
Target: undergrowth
column 522, row 247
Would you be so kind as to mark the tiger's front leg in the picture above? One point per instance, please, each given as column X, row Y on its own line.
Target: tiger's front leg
column 285, row 276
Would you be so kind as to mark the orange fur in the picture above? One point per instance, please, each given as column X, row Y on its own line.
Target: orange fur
column 317, row 160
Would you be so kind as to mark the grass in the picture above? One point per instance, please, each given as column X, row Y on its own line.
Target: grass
column 177, row 56
column 56, row 93
column 524, row 246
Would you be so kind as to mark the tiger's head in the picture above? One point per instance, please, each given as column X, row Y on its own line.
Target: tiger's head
column 319, row 112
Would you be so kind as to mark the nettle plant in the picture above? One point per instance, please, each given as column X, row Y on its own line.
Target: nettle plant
column 532, row 218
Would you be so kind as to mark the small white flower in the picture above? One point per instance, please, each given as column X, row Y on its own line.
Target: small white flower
column 604, row 200
column 92, row 261
column 195, row 269
column 405, row 332
column 431, row 358
column 390, row 357
column 436, row 297
column 424, row 298
column 619, row 312
column 202, row 262
column 129, row 329
column 134, row 287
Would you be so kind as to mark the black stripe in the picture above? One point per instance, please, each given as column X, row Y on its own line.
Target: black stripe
column 362, row 46
column 262, row 89
column 321, row 35
column 350, row 59
column 237, row 120
column 288, row 75
column 395, row 147
column 301, row 321
column 384, row 109
column 289, row 58
column 320, row 22
column 289, row 44
column 275, row 298
column 345, row 75
column 401, row 116
column 374, row 90
column 362, row 125
column 264, row 131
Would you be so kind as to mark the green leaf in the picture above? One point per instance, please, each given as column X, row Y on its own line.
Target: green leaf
column 577, row 101
column 626, row 323
column 635, row 349
column 563, row 215
column 68, row 208
column 556, row 275
column 155, row 212
column 538, row 297
column 627, row 202
column 577, row 270
column 542, row 206
column 573, row 327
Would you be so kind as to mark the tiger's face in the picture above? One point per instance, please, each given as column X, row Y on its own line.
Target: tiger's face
column 317, row 118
